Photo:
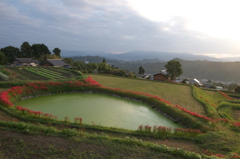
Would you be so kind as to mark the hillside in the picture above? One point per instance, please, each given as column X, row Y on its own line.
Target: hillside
column 212, row 70
column 29, row 136
column 216, row 71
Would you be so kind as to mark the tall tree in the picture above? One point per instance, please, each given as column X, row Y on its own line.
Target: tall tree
column 11, row 53
column 141, row 70
column 57, row 52
column 26, row 50
column 174, row 69
column 40, row 49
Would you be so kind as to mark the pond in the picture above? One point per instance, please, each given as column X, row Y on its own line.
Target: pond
column 99, row 109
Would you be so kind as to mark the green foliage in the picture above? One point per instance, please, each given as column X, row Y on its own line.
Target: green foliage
column 3, row 58
column 57, row 52
column 25, row 50
column 237, row 89
column 173, row 68
column 39, row 49
column 3, row 76
column 11, row 53
column 225, row 110
column 5, row 71
column 141, row 70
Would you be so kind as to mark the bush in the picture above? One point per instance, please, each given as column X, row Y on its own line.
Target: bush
column 237, row 90
column 3, row 76
column 5, row 72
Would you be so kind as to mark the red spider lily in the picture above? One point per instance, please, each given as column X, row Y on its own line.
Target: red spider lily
column 237, row 124
column 194, row 114
column 91, row 82
column 4, row 98
column 78, row 120
column 210, row 153
column 226, row 96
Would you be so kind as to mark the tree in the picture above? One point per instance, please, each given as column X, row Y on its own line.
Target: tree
column 232, row 86
column 3, row 59
column 57, row 52
column 11, row 53
column 26, row 50
column 237, row 90
column 104, row 61
column 141, row 70
column 40, row 49
column 174, row 69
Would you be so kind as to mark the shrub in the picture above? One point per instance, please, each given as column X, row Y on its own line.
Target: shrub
column 237, row 90
column 3, row 76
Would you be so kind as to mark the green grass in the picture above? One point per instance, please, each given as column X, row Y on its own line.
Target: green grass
column 174, row 93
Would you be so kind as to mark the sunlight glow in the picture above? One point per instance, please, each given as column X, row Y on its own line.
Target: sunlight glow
column 217, row 18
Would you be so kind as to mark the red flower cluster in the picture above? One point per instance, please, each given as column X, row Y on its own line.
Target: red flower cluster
column 213, row 105
column 222, row 120
column 237, row 124
column 38, row 85
column 210, row 153
column 226, row 96
column 194, row 114
column 144, row 94
column 4, row 98
column 91, row 82
column 235, row 156
column 161, row 129
column 78, row 120
column 36, row 113
column 25, row 110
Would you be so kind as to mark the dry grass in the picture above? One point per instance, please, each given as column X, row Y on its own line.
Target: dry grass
column 174, row 93
column 236, row 114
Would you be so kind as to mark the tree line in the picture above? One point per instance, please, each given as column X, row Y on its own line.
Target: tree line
column 36, row 51
column 102, row 67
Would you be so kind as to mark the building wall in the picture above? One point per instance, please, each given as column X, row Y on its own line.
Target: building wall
column 46, row 64
column 160, row 77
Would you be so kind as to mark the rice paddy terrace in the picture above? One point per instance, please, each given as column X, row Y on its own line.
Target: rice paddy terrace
column 39, row 73
column 23, row 138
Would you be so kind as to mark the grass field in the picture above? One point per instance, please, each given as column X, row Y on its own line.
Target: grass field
column 174, row 93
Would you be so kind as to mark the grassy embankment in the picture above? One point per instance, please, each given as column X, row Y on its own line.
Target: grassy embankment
column 97, row 144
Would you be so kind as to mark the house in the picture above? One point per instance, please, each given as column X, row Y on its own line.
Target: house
column 56, row 63
column 25, row 62
column 195, row 82
column 160, row 77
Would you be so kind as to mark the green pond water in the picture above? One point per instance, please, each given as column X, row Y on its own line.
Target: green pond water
column 99, row 109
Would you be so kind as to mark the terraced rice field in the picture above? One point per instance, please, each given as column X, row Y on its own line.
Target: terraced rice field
column 174, row 93
column 40, row 73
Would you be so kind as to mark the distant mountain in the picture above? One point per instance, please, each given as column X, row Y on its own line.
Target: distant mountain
column 200, row 69
column 232, row 59
column 163, row 56
column 138, row 55
column 67, row 53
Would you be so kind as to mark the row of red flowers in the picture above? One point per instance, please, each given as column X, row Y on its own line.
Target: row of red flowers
column 44, row 86
column 194, row 114
column 226, row 96
column 29, row 88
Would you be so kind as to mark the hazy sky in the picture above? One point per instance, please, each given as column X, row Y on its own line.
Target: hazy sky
column 210, row 27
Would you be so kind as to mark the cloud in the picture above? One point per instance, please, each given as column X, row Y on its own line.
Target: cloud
column 106, row 25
